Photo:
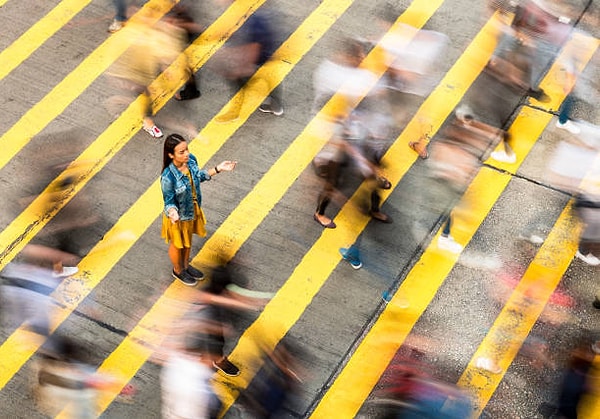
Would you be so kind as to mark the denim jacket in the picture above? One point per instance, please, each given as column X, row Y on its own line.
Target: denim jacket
column 177, row 190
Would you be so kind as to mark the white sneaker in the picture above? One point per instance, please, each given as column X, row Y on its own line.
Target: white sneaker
column 589, row 258
column 115, row 26
column 503, row 157
column 569, row 126
column 448, row 243
column 66, row 271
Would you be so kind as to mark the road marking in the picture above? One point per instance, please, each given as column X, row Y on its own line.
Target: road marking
column 15, row 351
column 13, row 55
column 69, row 88
column 361, row 373
column 131, row 354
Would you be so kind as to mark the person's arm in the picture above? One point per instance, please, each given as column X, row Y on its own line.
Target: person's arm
column 168, row 192
column 224, row 166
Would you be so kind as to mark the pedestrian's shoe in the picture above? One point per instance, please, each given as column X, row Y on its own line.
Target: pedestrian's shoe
column 185, row 277
column 226, row 367
column 380, row 216
column 589, row 258
column 420, row 147
column 449, row 244
column 271, row 106
column 539, row 95
column 153, row 130
column 195, row 273
column 351, row 256
column 66, row 271
column 569, row 126
column 504, row 157
column 116, row 26
column 596, row 303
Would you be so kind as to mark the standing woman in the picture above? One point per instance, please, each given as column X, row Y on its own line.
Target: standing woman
column 183, row 216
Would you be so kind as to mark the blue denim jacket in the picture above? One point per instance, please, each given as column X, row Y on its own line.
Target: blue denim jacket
column 177, row 190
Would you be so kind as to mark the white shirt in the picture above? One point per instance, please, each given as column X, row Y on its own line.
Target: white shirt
column 186, row 388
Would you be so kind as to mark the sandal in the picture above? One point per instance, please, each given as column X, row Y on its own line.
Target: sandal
column 154, row 131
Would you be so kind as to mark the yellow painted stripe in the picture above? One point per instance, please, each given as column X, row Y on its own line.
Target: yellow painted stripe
column 18, row 348
column 362, row 372
column 3, row 2
column 49, row 107
column 26, row 44
column 131, row 354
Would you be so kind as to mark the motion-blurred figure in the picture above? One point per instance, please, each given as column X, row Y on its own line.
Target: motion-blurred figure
column 185, row 380
column 26, row 291
column 275, row 384
column 249, row 48
column 411, row 54
column 153, row 48
column 63, row 379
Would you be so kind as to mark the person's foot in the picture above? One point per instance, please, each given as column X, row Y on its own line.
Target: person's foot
column 116, row 26
column 380, row 216
column 153, row 130
column 324, row 221
column 185, row 278
column 187, row 95
column 449, row 244
column 226, row 367
column 271, row 106
column 66, row 271
column 351, row 257
column 596, row 303
column 539, row 95
column 589, row 258
column 195, row 273
column 420, row 147
column 504, row 157
column 569, row 126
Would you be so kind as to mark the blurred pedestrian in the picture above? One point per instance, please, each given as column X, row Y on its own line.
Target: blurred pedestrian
column 183, row 216
column 214, row 307
column 181, row 17
column 154, row 47
column 65, row 381
column 587, row 207
column 26, row 292
column 335, row 157
column 248, row 49
column 186, row 386
column 120, row 16
column 274, row 384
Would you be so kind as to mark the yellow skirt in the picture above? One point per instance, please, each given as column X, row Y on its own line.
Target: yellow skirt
column 180, row 233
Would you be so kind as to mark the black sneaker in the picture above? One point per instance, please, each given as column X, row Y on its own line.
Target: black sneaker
column 195, row 273
column 539, row 95
column 271, row 106
column 226, row 367
column 186, row 278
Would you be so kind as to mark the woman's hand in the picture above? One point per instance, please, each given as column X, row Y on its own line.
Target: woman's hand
column 226, row 166
column 173, row 215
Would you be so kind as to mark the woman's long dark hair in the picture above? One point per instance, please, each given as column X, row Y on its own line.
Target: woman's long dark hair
column 170, row 143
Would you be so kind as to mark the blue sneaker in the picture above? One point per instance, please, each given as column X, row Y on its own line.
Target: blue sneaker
column 352, row 255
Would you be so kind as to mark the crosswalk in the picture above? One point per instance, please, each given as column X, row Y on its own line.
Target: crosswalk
column 351, row 378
